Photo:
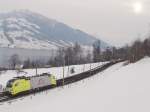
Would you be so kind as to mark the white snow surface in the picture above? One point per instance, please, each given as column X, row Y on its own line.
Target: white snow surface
column 117, row 89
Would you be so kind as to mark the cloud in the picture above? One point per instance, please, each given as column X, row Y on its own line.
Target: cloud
column 113, row 20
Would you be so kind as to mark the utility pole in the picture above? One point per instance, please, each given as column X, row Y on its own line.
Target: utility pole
column 63, row 70
column 90, row 67
column 68, row 66
column 63, row 75
column 83, row 67
column 36, row 67
column 36, row 70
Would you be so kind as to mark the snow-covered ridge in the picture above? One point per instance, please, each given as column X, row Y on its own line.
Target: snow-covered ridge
column 25, row 29
column 20, row 33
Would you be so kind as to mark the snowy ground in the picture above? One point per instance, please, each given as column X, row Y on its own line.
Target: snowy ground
column 118, row 89
column 56, row 71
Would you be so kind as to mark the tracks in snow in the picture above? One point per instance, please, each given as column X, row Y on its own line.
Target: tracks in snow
column 67, row 80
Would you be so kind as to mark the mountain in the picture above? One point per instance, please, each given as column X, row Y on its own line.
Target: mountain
column 25, row 29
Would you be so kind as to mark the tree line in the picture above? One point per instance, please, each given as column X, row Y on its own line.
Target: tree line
column 75, row 54
column 134, row 52
column 64, row 56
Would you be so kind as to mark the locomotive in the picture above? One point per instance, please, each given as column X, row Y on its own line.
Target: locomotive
column 22, row 84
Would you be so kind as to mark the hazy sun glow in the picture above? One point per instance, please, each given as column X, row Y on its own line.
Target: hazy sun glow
column 137, row 7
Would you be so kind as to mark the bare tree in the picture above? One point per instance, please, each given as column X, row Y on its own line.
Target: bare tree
column 146, row 47
column 77, row 52
column 14, row 60
column 97, row 51
column 27, row 63
column 107, row 54
column 136, row 51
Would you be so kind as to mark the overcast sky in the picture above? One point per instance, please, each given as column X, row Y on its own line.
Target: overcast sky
column 115, row 21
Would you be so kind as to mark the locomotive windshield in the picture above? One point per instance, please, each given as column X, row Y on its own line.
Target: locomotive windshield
column 9, row 83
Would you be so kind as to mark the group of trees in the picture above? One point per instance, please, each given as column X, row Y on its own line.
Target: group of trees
column 99, row 54
column 16, row 63
column 75, row 55
column 136, row 51
column 64, row 56
column 70, row 56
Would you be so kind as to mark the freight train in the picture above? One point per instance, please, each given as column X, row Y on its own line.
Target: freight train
column 22, row 84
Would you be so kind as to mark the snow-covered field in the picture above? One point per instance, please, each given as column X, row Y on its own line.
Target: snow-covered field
column 118, row 89
column 56, row 71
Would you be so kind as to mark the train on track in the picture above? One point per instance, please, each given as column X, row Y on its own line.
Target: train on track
column 22, row 84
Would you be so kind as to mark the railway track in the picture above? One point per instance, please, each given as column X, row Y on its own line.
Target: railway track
column 68, row 80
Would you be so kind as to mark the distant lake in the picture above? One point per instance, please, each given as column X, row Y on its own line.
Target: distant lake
column 6, row 53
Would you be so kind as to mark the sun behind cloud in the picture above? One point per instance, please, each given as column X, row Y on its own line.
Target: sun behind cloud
column 137, row 7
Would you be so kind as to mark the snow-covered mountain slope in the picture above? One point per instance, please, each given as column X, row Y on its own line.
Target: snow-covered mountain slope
column 118, row 89
column 126, row 89
column 25, row 29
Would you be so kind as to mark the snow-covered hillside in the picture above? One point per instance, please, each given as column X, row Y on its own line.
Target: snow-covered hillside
column 25, row 29
column 118, row 89
column 18, row 32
